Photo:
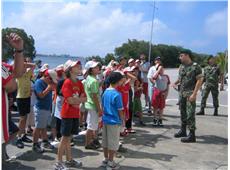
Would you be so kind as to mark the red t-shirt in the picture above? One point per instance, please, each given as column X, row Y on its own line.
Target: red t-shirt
column 6, row 77
column 124, row 90
column 69, row 89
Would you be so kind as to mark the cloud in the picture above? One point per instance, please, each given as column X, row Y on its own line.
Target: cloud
column 216, row 24
column 185, row 6
column 83, row 29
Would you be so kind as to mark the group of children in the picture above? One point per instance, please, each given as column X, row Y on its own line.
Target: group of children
column 106, row 98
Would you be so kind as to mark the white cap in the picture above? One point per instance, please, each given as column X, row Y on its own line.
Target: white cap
column 59, row 67
column 91, row 64
column 130, row 60
column 44, row 67
column 69, row 64
column 52, row 74
column 84, row 71
column 137, row 61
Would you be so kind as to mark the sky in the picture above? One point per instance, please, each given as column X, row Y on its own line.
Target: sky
column 86, row 28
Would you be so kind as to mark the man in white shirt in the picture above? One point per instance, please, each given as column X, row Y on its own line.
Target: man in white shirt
column 144, row 68
column 151, row 75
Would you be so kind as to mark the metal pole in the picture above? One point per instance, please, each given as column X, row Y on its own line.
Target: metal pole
column 150, row 42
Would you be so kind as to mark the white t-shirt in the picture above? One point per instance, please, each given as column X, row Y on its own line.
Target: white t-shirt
column 144, row 67
column 151, row 72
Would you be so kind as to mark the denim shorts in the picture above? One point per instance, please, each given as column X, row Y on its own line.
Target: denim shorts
column 41, row 118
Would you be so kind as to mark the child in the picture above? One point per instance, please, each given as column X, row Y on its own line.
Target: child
column 74, row 94
column 93, row 104
column 112, row 120
column 159, row 96
column 137, row 107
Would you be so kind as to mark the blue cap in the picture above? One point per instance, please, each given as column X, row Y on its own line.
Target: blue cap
column 157, row 58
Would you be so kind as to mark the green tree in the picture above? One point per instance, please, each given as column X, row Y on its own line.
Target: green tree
column 168, row 53
column 96, row 58
column 8, row 51
column 108, row 58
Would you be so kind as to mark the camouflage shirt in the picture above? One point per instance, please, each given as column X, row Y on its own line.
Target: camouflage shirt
column 188, row 76
column 211, row 75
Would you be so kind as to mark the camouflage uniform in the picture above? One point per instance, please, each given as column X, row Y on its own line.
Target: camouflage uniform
column 211, row 79
column 188, row 76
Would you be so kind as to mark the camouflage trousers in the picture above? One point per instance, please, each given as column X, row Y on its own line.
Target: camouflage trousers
column 187, row 111
column 205, row 93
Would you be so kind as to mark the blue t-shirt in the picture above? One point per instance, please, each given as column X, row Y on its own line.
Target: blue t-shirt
column 112, row 103
column 44, row 103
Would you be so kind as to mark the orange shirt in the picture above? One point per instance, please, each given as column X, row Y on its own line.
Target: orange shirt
column 69, row 89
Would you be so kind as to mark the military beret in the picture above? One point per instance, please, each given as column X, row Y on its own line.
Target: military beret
column 186, row 51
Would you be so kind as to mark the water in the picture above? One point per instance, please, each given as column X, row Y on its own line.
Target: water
column 55, row 61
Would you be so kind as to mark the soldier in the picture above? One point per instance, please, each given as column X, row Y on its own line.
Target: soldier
column 190, row 79
column 211, row 79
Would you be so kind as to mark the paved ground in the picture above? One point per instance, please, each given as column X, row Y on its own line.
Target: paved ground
column 151, row 148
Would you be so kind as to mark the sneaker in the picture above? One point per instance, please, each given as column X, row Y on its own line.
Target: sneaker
column 97, row 143
column 19, row 143
column 46, row 144
column 130, row 130
column 154, row 122
column 73, row 163
column 118, row 155
column 60, row 166
column 57, row 139
column 91, row 146
column 37, row 148
column 26, row 139
column 150, row 113
column 104, row 163
column 112, row 165
column 159, row 122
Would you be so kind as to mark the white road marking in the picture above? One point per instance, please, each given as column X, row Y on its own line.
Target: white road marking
column 198, row 102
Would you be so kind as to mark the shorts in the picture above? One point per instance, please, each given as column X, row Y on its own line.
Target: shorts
column 30, row 117
column 23, row 105
column 69, row 126
column 41, row 118
column 158, row 100
column 92, row 120
column 111, row 136
column 52, row 119
column 145, row 88
column 137, row 107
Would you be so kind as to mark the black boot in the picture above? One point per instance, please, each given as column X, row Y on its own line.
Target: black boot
column 181, row 132
column 215, row 112
column 190, row 138
column 201, row 112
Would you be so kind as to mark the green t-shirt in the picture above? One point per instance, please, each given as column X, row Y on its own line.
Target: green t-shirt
column 91, row 85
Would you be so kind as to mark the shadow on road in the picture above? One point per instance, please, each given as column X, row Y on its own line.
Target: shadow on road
column 212, row 139
column 16, row 165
